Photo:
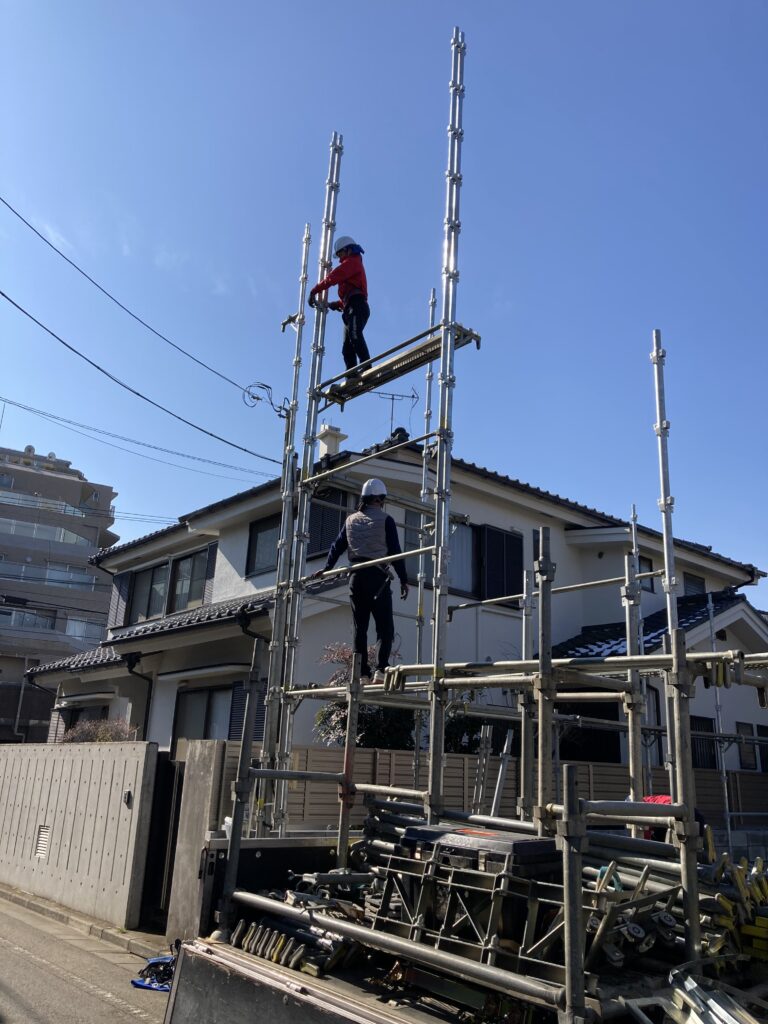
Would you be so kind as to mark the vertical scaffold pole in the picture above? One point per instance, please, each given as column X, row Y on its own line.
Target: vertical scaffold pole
column 350, row 744
column 544, row 687
column 418, row 718
column 571, row 833
column 277, row 746
column 285, row 541
column 666, row 506
column 446, row 382
column 527, row 707
column 719, row 727
column 634, row 700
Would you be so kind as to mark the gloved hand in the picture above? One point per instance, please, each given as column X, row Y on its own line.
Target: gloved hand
column 335, row 306
column 312, row 297
column 403, row 591
column 317, row 574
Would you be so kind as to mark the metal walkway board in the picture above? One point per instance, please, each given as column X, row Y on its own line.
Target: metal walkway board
column 398, row 365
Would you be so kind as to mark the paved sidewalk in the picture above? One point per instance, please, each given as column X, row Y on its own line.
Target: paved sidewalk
column 144, row 944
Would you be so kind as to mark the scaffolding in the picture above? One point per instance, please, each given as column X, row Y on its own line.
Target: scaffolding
column 548, row 803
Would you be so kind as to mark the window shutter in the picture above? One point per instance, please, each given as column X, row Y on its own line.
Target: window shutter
column 118, row 601
column 56, row 727
column 210, row 571
column 237, row 713
column 501, row 559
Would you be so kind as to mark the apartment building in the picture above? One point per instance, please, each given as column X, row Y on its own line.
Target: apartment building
column 53, row 603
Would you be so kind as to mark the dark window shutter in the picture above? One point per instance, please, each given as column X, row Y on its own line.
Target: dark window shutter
column 501, row 554
column 118, row 601
column 210, row 570
column 237, row 714
column 56, row 727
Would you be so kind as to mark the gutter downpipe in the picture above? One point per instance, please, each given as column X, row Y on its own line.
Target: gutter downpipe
column 131, row 661
column 225, row 913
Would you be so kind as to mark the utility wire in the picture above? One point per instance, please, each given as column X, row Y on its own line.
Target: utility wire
column 131, row 440
column 117, row 302
column 164, row 462
column 133, row 391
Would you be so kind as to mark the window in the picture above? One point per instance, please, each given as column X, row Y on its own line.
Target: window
column 693, row 584
column 6, row 480
column 501, row 554
column 747, row 751
column 42, row 531
column 703, row 750
column 204, row 714
column 646, row 565
column 463, row 575
column 85, row 629
column 149, row 592
column 762, row 732
column 263, row 536
column 22, row 619
column 326, row 518
column 188, row 584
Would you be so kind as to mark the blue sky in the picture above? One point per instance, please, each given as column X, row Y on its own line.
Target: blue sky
column 615, row 162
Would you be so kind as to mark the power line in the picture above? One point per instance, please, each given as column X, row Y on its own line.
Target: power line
column 163, row 462
column 131, row 440
column 133, row 391
column 117, row 302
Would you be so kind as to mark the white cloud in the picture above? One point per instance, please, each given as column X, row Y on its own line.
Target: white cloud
column 170, row 259
column 55, row 237
column 221, row 285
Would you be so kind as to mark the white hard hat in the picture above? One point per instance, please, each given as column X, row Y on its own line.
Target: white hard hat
column 343, row 242
column 374, row 488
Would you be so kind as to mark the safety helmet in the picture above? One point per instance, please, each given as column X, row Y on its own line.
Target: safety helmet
column 374, row 488
column 342, row 242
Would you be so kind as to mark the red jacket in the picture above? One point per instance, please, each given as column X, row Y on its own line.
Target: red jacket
column 349, row 276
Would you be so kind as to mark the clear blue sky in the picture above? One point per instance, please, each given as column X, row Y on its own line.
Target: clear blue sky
column 615, row 167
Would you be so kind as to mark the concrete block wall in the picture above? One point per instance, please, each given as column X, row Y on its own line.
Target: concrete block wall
column 74, row 824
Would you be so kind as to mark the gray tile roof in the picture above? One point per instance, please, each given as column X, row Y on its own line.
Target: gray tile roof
column 609, row 638
column 97, row 658
column 204, row 615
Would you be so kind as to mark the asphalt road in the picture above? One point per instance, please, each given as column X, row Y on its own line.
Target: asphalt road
column 51, row 973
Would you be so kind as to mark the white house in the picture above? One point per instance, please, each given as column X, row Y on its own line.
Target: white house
column 186, row 598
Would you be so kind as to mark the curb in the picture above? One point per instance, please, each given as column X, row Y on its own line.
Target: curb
column 87, row 925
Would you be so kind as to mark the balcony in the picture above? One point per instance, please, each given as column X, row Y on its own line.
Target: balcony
column 21, row 572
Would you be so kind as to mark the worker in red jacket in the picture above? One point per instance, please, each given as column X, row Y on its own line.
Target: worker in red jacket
column 353, row 299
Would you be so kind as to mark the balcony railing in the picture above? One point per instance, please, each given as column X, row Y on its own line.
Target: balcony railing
column 44, row 574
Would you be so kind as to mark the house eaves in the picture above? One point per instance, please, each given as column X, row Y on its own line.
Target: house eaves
column 221, row 613
column 609, row 639
column 101, row 657
column 236, row 507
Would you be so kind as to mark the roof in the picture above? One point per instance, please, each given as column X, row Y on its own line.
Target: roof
column 610, row 638
column 97, row 658
column 203, row 615
column 106, row 655
column 470, row 467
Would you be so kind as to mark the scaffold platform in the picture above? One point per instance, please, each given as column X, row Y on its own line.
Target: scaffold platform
column 339, row 391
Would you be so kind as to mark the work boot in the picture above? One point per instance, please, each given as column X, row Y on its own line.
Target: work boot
column 379, row 678
column 365, row 680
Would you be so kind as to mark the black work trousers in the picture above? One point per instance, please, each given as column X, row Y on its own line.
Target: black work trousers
column 371, row 594
column 355, row 316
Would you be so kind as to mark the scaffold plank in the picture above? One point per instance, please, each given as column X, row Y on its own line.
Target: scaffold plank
column 398, row 365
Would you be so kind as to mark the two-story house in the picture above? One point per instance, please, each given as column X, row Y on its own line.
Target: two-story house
column 187, row 598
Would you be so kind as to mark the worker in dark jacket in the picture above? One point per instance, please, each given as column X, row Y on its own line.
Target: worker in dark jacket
column 367, row 534
column 353, row 299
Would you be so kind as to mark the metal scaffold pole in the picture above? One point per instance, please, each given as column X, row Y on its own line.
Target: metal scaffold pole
column 275, row 737
column 544, row 686
column 666, row 506
column 446, row 383
column 421, row 580
column 285, row 541
column 679, row 688
column 527, row 710
column 634, row 701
